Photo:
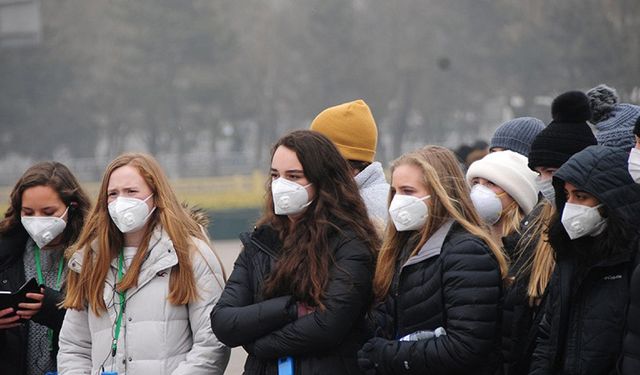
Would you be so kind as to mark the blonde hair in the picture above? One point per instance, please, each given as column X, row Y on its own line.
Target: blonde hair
column 86, row 288
column 541, row 262
column 511, row 218
column 442, row 175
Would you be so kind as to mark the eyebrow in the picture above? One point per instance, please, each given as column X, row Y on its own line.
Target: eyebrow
column 289, row 171
column 43, row 208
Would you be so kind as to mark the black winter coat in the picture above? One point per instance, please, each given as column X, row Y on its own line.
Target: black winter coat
column 631, row 345
column 583, row 321
column 453, row 282
column 519, row 319
column 13, row 342
column 323, row 342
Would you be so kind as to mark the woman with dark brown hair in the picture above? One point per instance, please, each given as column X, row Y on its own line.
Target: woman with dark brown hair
column 46, row 212
column 302, row 284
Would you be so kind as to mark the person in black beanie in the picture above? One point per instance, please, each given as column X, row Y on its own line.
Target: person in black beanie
column 532, row 256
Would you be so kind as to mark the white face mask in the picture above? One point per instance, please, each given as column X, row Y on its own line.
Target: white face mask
column 546, row 188
column 634, row 165
column 487, row 203
column 289, row 198
column 130, row 214
column 579, row 220
column 43, row 229
column 408, row 212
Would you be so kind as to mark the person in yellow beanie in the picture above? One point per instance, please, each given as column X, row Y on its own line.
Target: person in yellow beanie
column 351, row 127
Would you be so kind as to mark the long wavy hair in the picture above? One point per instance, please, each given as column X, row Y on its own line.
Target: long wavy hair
column 58, row 177
column 101, row 241
column 540, row 262
column 450, row 198
column 303, row 268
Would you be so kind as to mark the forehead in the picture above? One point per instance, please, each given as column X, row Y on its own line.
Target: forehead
column 285, row 159
column 37, row 196
column 407, row 175
column 126, row 176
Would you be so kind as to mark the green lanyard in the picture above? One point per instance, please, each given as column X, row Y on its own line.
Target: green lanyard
column 41, row 282
column 123, row 302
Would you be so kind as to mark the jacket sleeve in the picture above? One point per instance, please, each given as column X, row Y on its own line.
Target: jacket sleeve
column 74, row 355
column 50, row 314
column 207, row 355
column 236, row 319
column 471, row 287
column 542, row 359
column 347, row 296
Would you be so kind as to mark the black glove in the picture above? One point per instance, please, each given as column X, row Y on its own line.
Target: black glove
column 371, row 356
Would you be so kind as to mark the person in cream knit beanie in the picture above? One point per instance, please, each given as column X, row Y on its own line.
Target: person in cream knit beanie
column 351, row 127
column 509, row 171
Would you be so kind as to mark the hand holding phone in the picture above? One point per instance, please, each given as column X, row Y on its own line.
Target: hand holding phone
column 8, row 318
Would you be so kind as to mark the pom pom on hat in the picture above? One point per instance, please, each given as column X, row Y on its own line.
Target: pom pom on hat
column 351, row 127
column 572, row 106
column 509, row 171
column 603, row 100
column 566, row 135
column 614, row 121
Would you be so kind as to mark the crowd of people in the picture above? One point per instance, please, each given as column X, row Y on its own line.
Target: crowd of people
column 524, row 261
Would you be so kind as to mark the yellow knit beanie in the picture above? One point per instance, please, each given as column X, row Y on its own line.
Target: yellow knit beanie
column 351, row 127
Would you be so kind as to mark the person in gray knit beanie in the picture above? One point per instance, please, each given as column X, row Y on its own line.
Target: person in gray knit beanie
column 516, row 135
column 614, row 121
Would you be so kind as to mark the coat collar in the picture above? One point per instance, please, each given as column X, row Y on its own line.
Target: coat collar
column 372, row 175
column 433, row 246
column 160, row 256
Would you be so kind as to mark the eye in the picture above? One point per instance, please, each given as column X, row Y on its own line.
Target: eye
column 274, row 176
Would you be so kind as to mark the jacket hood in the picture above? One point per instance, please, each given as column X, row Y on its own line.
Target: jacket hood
column 602, row 172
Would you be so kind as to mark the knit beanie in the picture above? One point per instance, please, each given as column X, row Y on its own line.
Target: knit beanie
column 614, row 121
column 567, row 134
column 517, row 134
column 509, row 171
column 351, row 127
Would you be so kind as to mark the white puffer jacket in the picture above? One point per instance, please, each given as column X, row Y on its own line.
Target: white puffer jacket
column 156, row 337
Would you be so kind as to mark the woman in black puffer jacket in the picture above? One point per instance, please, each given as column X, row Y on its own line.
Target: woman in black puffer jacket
column 595, row 239
column 302, row 284
column 437, row 270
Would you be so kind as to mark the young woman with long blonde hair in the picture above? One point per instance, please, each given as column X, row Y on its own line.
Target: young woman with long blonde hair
column 503, row 192
column 143, row 280
column 438, row 277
